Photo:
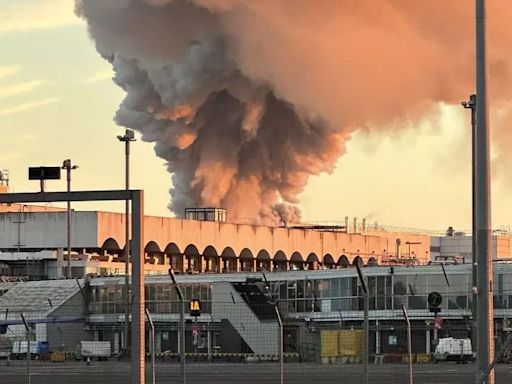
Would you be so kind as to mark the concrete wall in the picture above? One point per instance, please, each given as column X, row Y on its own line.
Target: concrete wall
column 47, row 230
column 164, row 231
column 92, row 229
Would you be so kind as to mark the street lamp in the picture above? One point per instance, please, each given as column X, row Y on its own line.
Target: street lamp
column 66, row 164
column 471, row 104
column 126, row 138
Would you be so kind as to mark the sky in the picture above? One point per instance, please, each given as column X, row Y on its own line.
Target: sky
column 57, row 101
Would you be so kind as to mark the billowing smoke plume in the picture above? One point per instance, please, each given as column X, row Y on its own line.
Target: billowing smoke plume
column 246, row 99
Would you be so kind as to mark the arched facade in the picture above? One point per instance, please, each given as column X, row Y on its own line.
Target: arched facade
column 200, row 246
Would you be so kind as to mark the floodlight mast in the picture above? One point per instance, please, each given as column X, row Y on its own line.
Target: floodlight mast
column 485, row 312
column 128, row 137
column 66, row 164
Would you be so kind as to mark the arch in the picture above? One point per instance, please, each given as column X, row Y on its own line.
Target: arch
column 358, row 260
column 172, row 249
column 229, row 260
column 210, row 251
column 228, row 252
column 193, row 259
column 211, row 259
column 343, row 261
column 246, row 260
column 191, row 250
column 263, row 255
column 296, row 261
column 312, row 261
column 263, row 261
column 152, row 247
column 312, row 258
column 175, row 257
column 279, row 261
column 246, row 254
column 110, row 245
column 372, row 262
column 329, row 261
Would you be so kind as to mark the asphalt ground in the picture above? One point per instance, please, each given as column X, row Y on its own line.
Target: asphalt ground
column 113, row 372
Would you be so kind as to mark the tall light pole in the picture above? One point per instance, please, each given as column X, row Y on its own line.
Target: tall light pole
column 128, row 137
column 471, row 104
column 485, row 313
column 66, row 164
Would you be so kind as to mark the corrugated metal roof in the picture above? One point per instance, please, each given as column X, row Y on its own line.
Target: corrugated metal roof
column 36, row 299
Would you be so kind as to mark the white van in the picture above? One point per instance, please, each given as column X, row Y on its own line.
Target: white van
column 450, row 349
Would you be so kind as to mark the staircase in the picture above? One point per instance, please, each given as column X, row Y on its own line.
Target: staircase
column 248, row 311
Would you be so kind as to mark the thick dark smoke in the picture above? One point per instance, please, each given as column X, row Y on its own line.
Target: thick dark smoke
column 246, row 99
column 229, row 140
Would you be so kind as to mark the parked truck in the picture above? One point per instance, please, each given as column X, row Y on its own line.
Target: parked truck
column 37, row 348
column 86, row 350
column 450, row 349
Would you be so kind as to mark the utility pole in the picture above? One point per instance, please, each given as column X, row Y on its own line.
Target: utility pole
column 366, row 324
column 27, row 328
column 409, row 343
column 152, row 346
column 281, row 345
column 471, row 104
column 181, row 298
column 126, row 138
column 68, row 167
column 485, row 343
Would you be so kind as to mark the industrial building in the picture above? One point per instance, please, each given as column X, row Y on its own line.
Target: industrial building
column 240, row 273
column 238, row 314
column 33, row 243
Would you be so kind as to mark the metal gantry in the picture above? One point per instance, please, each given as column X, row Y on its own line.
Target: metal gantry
column 138, row 307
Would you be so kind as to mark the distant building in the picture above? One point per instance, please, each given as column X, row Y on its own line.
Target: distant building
column 34, row 243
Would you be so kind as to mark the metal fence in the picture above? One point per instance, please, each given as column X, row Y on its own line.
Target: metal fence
column 243, row 340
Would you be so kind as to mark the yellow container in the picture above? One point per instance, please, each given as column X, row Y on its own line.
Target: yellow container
column 58, row 357
column 350, row 342
column 330, row 343
column 405, row 358
column 423, row 358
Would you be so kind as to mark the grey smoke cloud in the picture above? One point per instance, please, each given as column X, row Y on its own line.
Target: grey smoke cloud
column 246, row 99
column 229, row 140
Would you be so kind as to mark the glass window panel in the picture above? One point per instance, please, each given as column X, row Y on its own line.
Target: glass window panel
column 400, row 285
column 335, row 288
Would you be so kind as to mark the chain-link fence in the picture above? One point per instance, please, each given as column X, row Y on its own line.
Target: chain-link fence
column 245, row 332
